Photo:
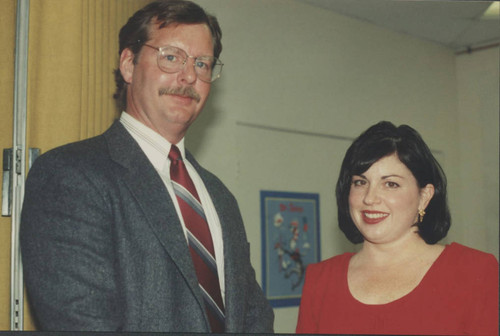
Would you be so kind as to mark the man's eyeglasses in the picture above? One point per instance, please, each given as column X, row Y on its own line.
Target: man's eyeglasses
column 172, row 59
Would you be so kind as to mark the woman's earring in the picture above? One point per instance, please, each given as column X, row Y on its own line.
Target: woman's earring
column 421, row 213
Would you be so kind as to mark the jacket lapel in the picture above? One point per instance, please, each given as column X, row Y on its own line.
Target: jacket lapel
column 150, row 193
column 230, row 221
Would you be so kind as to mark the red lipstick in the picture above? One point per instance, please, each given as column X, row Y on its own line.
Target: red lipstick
column 373, row 217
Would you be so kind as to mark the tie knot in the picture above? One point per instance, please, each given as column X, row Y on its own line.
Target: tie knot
column 174, row 154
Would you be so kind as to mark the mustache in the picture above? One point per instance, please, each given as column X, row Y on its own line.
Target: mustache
column 186, row 91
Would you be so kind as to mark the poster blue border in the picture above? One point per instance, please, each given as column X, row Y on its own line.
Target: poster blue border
column 290, row 299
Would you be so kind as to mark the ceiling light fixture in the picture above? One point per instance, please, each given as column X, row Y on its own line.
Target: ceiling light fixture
column 493, row 11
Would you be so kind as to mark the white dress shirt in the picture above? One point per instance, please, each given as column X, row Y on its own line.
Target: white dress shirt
column 156, row 149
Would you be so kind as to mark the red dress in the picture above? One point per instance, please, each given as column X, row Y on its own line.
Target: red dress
column 457, row 296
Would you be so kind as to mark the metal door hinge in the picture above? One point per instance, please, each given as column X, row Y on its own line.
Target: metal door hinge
column 13, row 166
column 7, row 183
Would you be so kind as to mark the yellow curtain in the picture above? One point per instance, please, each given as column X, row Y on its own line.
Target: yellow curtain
column 73, row 50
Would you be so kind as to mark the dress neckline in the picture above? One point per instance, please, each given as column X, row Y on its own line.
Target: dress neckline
column 403, row 298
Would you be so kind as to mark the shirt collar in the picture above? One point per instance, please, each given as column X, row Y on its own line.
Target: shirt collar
column 152, row 143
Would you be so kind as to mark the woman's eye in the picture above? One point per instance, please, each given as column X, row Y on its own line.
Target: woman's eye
column 358, row 182
column 392, row 184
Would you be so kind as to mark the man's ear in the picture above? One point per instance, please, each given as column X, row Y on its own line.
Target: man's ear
column 426, row 194
column 127, row 64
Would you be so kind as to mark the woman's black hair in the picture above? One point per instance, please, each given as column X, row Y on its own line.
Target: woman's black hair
column 381, row 140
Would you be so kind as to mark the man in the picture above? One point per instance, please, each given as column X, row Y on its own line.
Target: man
column 108, row 236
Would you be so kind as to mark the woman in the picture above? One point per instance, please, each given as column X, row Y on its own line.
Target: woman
column 391, row 196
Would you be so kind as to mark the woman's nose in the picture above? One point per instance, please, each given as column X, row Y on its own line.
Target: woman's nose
column 371, row 195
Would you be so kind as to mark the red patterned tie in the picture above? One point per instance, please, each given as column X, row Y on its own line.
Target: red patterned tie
column 199, row 240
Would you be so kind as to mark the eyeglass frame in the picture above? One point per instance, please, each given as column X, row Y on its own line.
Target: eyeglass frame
column 217, row 61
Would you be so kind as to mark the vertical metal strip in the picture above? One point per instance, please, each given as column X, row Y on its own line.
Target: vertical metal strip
column 19, row 162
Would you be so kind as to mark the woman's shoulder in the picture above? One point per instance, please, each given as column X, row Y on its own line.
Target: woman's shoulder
column 470, row 259
column 469, row 253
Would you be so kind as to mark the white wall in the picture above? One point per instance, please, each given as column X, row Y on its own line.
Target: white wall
column 320, row 76
column 476, row 219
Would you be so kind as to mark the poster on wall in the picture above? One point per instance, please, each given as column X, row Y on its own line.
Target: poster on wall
column 290, row 242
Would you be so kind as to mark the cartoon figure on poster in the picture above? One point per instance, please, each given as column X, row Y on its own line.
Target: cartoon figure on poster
column 291, row 244
column 290, row 235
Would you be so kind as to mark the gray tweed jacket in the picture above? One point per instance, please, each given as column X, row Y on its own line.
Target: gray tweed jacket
column 103, row 248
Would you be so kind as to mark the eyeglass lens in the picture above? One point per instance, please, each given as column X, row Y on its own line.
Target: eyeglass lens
column 172, row 59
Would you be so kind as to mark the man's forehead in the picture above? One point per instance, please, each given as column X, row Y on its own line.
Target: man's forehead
column 160, row 32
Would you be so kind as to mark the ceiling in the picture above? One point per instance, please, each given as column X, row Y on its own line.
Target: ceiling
column 455, row 24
